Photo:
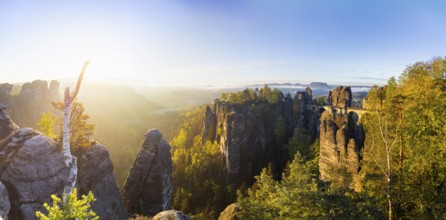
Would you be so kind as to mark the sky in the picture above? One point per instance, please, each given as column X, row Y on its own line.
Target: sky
column 218, row 42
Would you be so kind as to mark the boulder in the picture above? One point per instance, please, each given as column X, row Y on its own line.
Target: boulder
column 148, row 187
column 35, row 172
column 171, row 215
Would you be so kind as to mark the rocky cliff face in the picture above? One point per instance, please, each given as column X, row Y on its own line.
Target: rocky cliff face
column 32, row 168
column 341, row 139
column 96, row 175
column 340, row 97
column 148, row 187
column 247, row 133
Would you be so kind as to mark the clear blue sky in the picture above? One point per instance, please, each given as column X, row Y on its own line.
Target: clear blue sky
column 219, row 42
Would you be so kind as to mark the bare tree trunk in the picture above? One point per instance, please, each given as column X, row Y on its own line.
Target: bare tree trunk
column 70, row 160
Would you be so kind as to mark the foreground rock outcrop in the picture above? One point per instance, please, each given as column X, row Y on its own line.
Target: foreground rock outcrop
column 32, row 169
column 35, row 172
column 148, row 187
column 5, row 205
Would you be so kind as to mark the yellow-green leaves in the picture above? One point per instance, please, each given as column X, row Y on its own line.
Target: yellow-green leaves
column 74, row 208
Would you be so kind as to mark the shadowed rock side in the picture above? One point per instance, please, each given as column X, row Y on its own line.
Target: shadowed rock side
column 341, row 139
column 148, row 187
column 4, row 202
column 32, row 168
column 96, row 175
column 7, row 127
column 210, row 125
column 171, row 215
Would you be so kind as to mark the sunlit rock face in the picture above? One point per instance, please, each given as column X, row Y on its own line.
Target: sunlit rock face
column 230, row 212
column 340, row 97
column 171, row 215
column 148, row 187
column 341, row 139
column 32, row 169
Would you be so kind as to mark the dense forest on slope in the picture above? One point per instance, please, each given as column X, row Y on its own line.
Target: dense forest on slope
column 401, row 171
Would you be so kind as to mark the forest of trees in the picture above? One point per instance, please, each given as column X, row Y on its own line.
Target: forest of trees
column 403, row 171
column 402, row 176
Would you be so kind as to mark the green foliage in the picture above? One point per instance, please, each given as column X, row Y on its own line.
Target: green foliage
column 47, row 124
column 198, row 172
column 74, row 208
column 264, row 94
column 300, row 195
column 299, row 142
column 414, row 122
column 280, row 129
column 80, row 130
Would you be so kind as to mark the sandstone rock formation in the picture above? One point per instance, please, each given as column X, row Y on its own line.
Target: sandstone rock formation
column 230, row 212
column 171, row 215
column 341, row 139
column 34, row 173
column 32, row 168
column 5, row 205
column 246, row 133
column 340, row 97
column 95, row 173
column 32, row 100
column 148, row 187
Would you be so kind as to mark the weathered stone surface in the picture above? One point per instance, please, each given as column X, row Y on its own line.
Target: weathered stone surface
column 230, row 212
column 341, row 139
column 148, row 187
column 95, row 173
column 210, row 125
column 32, row 168
column 171, row 215
column 340, row 97
column 35, row 172
column 5, row 205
